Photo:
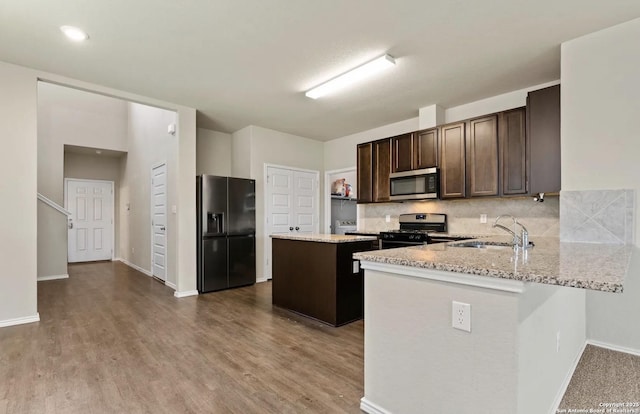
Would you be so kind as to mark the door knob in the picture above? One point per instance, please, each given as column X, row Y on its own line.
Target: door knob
column 297, row 228
column 70, row 224
column 162, row 228
column 290, row 228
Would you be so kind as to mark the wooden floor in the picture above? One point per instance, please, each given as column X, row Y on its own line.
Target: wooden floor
column 112, row 340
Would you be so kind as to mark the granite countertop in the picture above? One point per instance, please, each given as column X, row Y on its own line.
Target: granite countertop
column 582, row 265
column 324, row 238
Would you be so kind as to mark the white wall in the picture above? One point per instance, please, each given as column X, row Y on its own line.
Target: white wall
column 253, row 147
column 600, row 146
column 18, row 168
column 241, row 153
column 341, row 152
column 96, row 167
column 18, row 246
column 149, row 145
column 213, row 152
column 73, row 117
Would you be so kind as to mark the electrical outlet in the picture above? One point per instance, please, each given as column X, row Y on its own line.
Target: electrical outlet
column 461, row 316
column 387, row 218
column 483, row 218
column 558, row 341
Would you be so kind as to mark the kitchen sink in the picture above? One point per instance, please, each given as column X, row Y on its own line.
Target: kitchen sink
column 484, row 245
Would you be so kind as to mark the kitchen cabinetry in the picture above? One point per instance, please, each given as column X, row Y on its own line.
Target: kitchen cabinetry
column 317, row 279
column 402, row 148
column 513, row 156
column 381, row 170
column 365, row 173
column 425, row 149
column 543, row 123
column 374, row 167
column 482, row 156
column 415, row 151
column 452, row 160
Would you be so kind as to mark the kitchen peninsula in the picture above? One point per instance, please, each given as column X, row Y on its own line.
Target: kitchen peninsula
column 315, row 275
column 524, row 338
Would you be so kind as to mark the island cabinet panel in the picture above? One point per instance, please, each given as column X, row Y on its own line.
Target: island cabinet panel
column 382, row 169
column 317, row 280
column 482, row 156
column 543, row 122
column 513, row 154
column 452, row 160
column 425, row 149
column 365, row 173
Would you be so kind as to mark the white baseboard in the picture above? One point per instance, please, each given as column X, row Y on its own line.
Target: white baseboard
column 133, row 266
column 566, row 381
column 20, row 321
column 371, row 408
column 53, row 277
column 613, row 347
column 171, row 285
column 185, row 293
column 262, row 279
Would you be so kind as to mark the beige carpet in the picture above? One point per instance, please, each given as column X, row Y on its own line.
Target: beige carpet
column 604, row 380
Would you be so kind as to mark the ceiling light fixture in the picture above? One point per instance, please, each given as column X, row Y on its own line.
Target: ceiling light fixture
column 75, row 34
column 352, row 76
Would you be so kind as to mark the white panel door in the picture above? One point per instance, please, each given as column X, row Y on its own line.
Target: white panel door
column 305, row 211
column 159, row 221
column 291, row 205
column 90, row 236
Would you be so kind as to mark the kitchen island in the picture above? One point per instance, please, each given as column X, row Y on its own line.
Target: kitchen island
column 315, row 275
column 524, row 338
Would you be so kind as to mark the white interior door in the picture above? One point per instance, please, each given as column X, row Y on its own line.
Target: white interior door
column 305, row 202
column 90, row 237
column 159, row 221
column 291, row 205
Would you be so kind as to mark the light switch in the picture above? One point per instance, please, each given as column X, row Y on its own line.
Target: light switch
column 174, row 209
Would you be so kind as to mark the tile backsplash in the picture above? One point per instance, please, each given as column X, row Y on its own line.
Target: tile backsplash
column 463, row 216
column 597, row 216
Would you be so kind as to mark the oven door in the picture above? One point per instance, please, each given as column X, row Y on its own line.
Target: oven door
column 393, row 244
column 415, row 185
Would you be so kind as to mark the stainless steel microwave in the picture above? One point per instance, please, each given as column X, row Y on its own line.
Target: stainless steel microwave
column 415, row 185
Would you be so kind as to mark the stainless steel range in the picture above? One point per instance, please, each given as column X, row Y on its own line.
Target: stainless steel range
column 416, row 229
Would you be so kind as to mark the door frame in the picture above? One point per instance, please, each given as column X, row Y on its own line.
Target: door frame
column 327, row 197
column 267, row 210
column 113, row 210
column 166, row 214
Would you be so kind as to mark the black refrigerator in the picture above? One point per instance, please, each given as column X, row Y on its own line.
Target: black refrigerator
column 226, row 232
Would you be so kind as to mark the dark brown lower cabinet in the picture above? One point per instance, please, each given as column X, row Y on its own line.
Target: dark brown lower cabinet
column 316, row 279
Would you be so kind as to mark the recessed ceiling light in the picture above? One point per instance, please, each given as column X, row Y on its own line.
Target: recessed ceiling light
column 352, row 76
column 75, row 34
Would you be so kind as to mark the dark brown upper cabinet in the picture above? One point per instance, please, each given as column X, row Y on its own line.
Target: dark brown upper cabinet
column 425, row 149
column 452, row 160
column 381, row 170
column 543, row 123
column 482, row 156
column 365, row 172
column 513, row 152
column 402, row 149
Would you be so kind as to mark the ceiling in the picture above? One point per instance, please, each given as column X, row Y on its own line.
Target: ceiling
column 249, row 62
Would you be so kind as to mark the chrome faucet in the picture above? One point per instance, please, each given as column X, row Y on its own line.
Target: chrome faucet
column 521, row 240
